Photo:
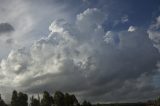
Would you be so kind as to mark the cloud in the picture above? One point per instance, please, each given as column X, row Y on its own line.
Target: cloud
column 9, row 41
column 6, row 33
column 6, row 28
column 131, row 29
column 124, row 19
column 31, row 19
column 90, row 19
column 19, row 22
column 111, row 38
column 154, row 35
column 154, row 32
column 84, row 59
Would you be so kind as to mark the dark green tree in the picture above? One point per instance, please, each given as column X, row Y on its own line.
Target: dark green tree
column 47, row 99
column 74, row 101
column 19, row 99
column 67, row 99
column 70, row 100
column 34, row 102
column 22, row 99
column 86, row 103
column 14, row 101
column 2, row 103
column 59, row 99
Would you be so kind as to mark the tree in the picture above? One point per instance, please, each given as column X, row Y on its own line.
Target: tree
column 67, row 99
column 47, row 99
column 2, row 103
column 34, row 102
column 86, row 103
column 70, row 100
column 74, row 101
column 19, row 99
column 22, row 99
column 59, row 98
column 14, row 101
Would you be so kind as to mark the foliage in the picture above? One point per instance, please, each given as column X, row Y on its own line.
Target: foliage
column 86, row 103
column 70, row 100
column 2, row 103
column 34, row 102
column 47, row 99
column 19, row 99
column 14, row 101
column 59, row 98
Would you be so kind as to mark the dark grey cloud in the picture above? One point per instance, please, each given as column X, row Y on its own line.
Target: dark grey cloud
column 127, row 72
column 6, row 27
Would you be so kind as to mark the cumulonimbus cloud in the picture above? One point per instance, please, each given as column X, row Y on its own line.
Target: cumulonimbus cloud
column 84, row 59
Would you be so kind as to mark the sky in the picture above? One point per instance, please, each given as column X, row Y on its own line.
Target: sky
column 99, row 50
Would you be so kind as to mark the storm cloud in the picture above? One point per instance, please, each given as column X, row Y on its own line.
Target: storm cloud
column 82, row 58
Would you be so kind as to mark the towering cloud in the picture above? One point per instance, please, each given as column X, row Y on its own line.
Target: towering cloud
column 84, row 59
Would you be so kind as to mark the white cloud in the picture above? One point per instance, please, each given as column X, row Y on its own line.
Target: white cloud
column 90, row 19
column 131, row 29
column 124, row 19
column 154, row 33
column 109, row 38
column 30, row 21
column 21, row 21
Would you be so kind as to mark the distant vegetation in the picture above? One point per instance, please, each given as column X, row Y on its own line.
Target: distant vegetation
column 61, row 99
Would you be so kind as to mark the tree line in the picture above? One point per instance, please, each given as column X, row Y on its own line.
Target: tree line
column 58, row 99
column 61, row 99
